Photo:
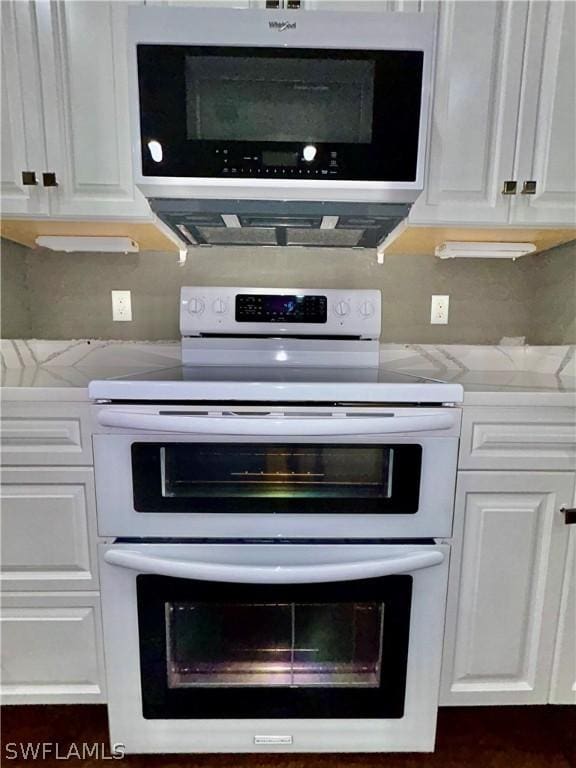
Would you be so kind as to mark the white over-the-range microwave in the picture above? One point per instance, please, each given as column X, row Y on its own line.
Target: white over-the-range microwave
column 280, row 105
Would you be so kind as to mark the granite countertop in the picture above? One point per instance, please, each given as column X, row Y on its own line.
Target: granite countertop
column 491, row 375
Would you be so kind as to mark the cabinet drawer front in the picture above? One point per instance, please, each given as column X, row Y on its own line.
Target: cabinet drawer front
column 518, row 438
column 52, row 434
column 51, row 649
column 48, row 525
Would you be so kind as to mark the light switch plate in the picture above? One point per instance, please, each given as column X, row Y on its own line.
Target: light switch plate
column 121, row 306
column 439, row 310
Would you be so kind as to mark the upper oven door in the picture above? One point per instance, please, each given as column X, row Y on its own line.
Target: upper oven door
column 252, row 474
column 228, row 97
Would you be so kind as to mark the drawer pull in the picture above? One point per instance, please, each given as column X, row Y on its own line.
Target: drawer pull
column 29, row 178
column 509, row 187
column 49, row 180
column 569, row 515
column 529, row 188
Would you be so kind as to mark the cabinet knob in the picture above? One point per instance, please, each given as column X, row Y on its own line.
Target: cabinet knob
column 49, row 180
column 529, row 188
column 569, row 515
column 509, row 187
column 29, row 178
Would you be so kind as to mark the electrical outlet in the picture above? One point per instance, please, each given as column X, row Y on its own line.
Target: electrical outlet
column 439, row 310
column 121, row 306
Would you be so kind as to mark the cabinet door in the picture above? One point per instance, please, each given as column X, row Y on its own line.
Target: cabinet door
column 505, row 584
column 85, row 79
column 21, row 116
column 48, row 523
column 475, row 110
column 52, row 649
column 547, row 124
column 563, row 688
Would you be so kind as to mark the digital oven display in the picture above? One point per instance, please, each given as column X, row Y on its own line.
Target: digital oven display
column 280, row 309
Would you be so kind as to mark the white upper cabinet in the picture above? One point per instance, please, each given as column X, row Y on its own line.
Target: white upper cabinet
column 474, row 115
column 83, row 46
column 21, row 126
column 504, row 109
column 547, row 123
column 65, row 110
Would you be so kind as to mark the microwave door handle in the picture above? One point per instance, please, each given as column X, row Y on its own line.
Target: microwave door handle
column 273, row 574
column 264, row 426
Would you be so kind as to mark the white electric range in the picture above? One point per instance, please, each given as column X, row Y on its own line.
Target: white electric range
column 282, row 507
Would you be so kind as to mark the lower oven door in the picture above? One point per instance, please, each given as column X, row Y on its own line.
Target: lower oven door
column 273, row 646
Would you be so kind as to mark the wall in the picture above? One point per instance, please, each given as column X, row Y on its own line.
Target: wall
column 15, row 308
column 553, row 287
column 70, row 293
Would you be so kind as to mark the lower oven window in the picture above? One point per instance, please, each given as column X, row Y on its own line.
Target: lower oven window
column 259, row 650
column 274, row 644
column 276, row 478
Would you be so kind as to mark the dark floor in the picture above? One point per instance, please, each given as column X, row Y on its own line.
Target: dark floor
column 487, row 737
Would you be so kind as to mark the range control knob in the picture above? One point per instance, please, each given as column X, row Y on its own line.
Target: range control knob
column 195, row 306
column 342, row 308
column 220, row 306
column 366, row 309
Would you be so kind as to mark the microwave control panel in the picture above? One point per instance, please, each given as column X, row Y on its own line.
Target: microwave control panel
column 308, row 161
column 280, row 312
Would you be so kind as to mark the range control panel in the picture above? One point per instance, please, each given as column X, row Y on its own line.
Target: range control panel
column 280, row 312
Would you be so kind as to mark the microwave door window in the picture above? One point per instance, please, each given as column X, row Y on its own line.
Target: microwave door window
column 279, row 100
column 223, row 111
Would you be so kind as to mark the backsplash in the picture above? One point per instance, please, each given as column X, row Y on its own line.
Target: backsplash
column 48, row 295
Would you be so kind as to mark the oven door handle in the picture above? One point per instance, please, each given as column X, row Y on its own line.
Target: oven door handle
column 273, row 574
column 276, row 426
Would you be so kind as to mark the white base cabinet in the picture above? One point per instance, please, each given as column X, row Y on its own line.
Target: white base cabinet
column 52, row 649
column 505, row 593
column 50, row 617
column 563, row 688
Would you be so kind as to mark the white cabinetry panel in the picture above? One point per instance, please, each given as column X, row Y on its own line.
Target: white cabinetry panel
column 518, row 438
column 475, row 111
column 563, row 689
column 547, row 123
column 53, row 434
column 48, row 526
column 51, row 649
column 505, row 584
column 21, row 116
column 88, row 135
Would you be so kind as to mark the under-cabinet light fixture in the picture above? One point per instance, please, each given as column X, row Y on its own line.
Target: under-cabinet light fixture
column 88, row 244
column 455, row 250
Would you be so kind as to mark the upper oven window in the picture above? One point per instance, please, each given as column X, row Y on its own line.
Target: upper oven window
column 276, row 478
